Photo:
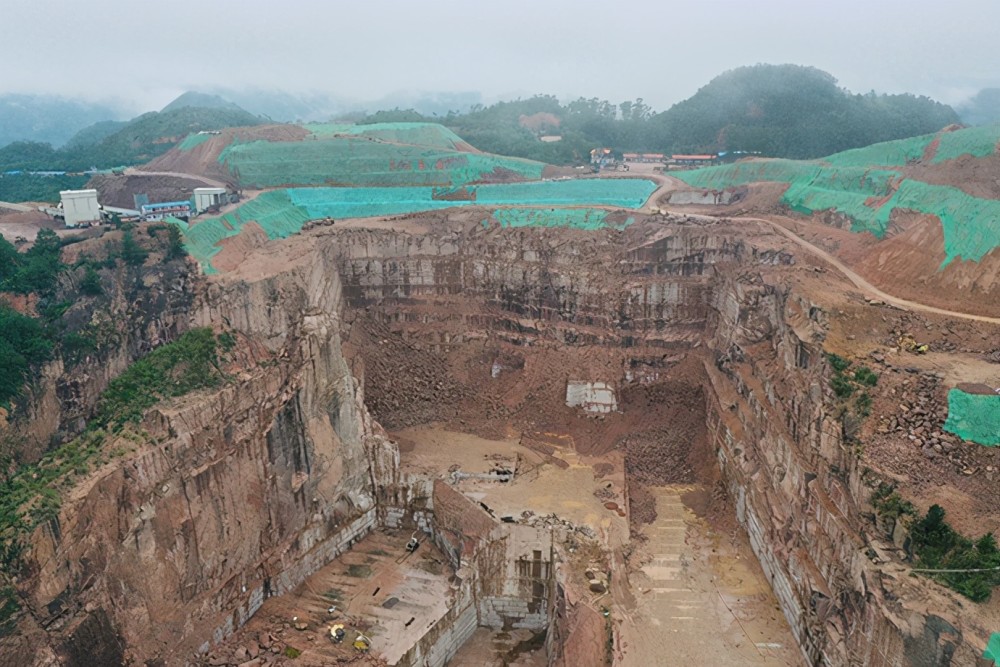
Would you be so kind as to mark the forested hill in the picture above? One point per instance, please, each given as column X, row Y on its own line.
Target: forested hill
column 791, row 111
column 110, row 145
column 778, row 110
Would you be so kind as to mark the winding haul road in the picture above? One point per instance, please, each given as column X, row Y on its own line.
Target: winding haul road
column 667, row 184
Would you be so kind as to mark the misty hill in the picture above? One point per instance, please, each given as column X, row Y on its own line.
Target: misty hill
column 135, row 142
column 792, row 111
column 982, row 109
column 46, row 118
column 777, row 110
column 94, row 134
column 201, row 101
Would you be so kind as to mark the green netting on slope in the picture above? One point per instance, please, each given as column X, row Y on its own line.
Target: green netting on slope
column 886, row 154
column 340, row 203
column 742, row 173
column 192, row 140
column 431, row 135
column 846, row 190
column 355, row 161
column 992, row 651
column 971, row 225
column 576, row 218
column 282, row 213
column 812, row 187
column 374, row 201
column 975, row 141
column 617, row 192
column 974, row 417
column 273, row 211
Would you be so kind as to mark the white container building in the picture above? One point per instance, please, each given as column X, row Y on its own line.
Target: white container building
column 80, row 207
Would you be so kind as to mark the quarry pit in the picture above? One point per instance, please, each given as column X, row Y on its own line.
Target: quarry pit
column 612, row 445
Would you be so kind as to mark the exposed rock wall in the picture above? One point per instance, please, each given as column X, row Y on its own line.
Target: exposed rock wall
column 140, row 308
column 800, row 495
column 231, row 496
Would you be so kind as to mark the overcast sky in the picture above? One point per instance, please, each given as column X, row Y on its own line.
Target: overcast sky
column 148, row 51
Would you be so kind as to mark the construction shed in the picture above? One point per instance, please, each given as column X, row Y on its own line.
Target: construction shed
column 206, row 198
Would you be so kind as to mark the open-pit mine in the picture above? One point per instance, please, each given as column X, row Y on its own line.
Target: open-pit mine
column 622, row 420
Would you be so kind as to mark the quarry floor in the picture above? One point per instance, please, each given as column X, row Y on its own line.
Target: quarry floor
column 692, row 590
column 376, row 588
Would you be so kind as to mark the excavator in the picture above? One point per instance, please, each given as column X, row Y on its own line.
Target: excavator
column 362, row 643
column 909, row 344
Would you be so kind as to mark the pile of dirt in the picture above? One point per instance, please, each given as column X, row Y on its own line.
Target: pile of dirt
column 119, row 190
column 203, row 159
column 674, row 452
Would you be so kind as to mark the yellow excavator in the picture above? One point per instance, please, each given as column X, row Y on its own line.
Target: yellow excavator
column 909, row 344
column 362, row 643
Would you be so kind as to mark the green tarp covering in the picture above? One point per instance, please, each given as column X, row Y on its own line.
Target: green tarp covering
column 974, row 417
column 861, row 185
column 281, row 213
column 992, row 651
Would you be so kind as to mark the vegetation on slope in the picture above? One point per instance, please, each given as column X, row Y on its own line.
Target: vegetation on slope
column 138, row 141
column 970, row 567
column 793, row 111
column 32, row 495
column 778, row 110
column 31, row 187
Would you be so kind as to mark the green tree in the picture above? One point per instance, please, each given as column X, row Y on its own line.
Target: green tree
column 91, row 282
column 23, row 344
column 175, row 243
column 133, row 253
column 36, row 270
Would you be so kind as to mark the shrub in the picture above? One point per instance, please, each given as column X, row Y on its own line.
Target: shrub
column 91, row 283
column 866, row 376
column 838, row 363
column 175, row 243
column 842, row 387
column 23, row 344
column 132, row 253
column 938, row 546
column 291, row 652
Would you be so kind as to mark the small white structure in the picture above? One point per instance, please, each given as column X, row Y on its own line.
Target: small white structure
column 596, row 397
column 205, row 198
column 80, row 207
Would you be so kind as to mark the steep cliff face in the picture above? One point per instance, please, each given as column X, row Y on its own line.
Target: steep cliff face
column 801, row 492
column 225, row 498
column 137, row 309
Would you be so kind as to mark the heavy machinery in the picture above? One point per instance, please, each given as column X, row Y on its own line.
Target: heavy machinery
column 362, row 643
column 337, row 633
column 909, row 344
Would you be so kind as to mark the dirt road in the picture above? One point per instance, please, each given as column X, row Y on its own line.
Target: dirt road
column 857, row 280
column 20, row 208
column 131, row 171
